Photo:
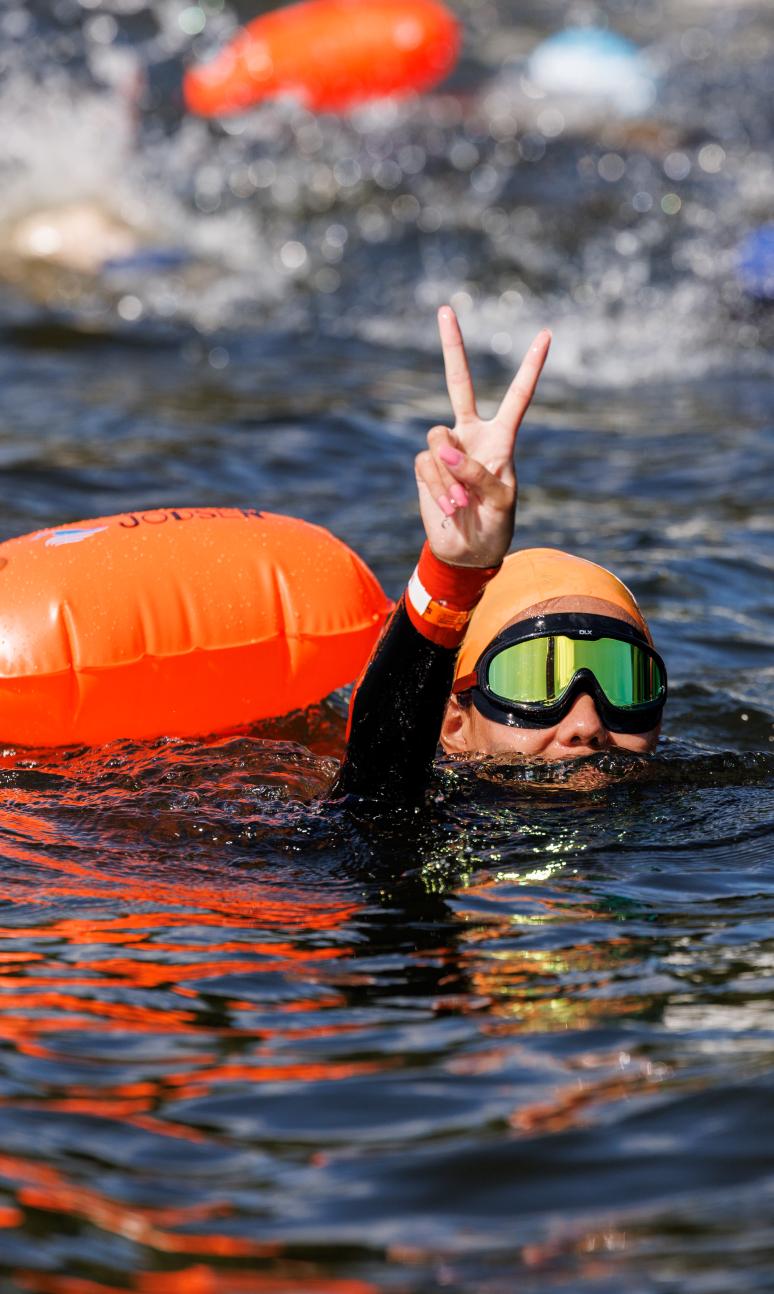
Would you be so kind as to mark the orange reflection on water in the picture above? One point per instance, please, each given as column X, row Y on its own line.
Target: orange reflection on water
column 73, row 992
column 115, row 966
column 573, row 1104
column 202, row 1280
column 43, row 1187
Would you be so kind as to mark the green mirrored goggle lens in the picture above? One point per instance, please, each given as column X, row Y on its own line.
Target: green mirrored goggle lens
column 539, row 670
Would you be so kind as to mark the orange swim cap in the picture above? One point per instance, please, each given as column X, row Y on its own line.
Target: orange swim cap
column 531, row 577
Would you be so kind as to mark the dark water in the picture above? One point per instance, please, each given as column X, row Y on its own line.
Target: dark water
column 523, row 1039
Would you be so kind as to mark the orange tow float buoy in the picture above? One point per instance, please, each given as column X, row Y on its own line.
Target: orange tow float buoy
column 177, row 622
column 330, row 54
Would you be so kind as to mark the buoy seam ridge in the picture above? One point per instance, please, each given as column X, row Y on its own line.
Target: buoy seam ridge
column 70, row 633
column 191, row 651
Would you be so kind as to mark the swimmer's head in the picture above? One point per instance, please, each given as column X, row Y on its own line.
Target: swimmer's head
column 541, row 582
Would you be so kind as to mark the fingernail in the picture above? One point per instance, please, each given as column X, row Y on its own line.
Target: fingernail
column 446, row 505
column 449, row 455
column 459, row 495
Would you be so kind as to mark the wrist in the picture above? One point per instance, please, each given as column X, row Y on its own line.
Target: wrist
column 440, row 597
column 472, row 565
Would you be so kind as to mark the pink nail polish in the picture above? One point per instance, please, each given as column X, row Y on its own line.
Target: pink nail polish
column 459, row 495
column 448, row 454
column 446, row 506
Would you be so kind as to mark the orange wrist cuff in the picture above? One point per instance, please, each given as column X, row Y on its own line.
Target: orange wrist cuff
column 439, row 599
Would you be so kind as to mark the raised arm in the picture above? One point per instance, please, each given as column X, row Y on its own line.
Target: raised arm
column 467, row 496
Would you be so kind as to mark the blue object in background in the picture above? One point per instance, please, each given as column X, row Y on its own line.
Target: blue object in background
column 147, row 260
column 755, row 263
column 590, row 63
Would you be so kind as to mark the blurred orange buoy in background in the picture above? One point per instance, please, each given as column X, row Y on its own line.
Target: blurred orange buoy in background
column 330, row 54
column 176, row 622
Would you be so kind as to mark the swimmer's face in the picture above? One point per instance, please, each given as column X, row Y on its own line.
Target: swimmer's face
column 580, row 732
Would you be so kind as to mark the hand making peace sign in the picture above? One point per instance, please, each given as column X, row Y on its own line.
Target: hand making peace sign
column 466, row 477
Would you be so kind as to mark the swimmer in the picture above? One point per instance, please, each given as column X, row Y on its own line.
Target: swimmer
column 539, row 654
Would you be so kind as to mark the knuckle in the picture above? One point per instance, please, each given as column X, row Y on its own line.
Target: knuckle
column 474, row 471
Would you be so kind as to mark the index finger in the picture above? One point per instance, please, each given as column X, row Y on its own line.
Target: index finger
column 459, row 383
column 517, row 398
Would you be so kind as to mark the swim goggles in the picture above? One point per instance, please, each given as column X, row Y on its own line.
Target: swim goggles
column 531, row 674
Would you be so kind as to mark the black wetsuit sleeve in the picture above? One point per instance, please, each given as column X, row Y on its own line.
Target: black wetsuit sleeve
column 396, row 717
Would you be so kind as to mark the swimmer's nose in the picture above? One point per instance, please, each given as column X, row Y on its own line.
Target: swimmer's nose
column 581, row 730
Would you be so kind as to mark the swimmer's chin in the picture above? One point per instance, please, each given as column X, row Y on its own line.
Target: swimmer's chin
column 585, row 773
